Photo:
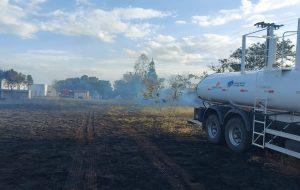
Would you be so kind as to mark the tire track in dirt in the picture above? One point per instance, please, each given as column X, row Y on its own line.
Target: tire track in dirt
column 83, row 174
column 91, row 154
column 177, row 177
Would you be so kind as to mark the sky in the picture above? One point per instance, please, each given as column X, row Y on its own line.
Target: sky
column 58, row 39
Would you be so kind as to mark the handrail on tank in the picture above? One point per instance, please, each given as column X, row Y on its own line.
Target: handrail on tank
column 244, row 42
column 282, row 47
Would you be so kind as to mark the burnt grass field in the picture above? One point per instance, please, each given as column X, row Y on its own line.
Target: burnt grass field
column 87, row 145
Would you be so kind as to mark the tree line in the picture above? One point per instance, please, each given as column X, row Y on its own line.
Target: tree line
column 142, row 83
column 96, row 87
column 14, row 78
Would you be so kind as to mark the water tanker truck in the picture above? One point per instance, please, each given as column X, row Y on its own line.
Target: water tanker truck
column 260, row 107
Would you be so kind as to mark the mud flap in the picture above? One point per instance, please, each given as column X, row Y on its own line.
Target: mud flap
column 199, row 114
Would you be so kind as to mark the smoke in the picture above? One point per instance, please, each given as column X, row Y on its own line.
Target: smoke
column 186, row 97
column 189, row 98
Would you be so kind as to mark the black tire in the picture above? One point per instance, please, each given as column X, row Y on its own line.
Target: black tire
column 236, row 135
column 214, row 129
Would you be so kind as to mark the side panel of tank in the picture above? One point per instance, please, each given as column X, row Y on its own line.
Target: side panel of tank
column 233, row 88
column 280, row 87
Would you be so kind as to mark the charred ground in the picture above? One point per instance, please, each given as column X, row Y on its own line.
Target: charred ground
column 86, row 145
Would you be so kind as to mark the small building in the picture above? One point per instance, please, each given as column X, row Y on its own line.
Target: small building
column 82, row 94
column 39, row 90
column 15, row 91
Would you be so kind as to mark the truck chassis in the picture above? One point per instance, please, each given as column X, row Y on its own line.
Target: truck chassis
column 241, row 126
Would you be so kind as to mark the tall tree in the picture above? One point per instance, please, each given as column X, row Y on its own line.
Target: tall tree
column 151, row 82
column 141, row 66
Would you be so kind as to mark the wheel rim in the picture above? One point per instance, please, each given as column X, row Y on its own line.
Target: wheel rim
column 235, row 135
column 212, row 129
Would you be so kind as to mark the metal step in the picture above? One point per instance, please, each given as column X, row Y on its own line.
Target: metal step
column 262, row 134
column 283, row 134
column 283, row 150
column 261, row 110
column 259, row 145
column 257, row 121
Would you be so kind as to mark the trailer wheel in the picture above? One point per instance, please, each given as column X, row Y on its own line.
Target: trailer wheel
column 213, row 129
column 236, row 135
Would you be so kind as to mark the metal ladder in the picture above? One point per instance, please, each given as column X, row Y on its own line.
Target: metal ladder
column 262, row 127
column 259, row 133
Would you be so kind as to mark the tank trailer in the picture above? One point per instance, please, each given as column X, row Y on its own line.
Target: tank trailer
column 260, row 108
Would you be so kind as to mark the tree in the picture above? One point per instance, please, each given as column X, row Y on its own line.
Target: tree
column 151, row 82
column 91, row 84
column 179, row 83
column 104, row 89
column 11, row 77
column 2, row 74
column 14, row 78
column 141, row 66
column 129, row 87
column 256, row 57
column 145, row 69
column 142, row 83
column 29, row 80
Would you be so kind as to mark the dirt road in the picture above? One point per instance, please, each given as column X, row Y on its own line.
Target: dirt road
column 126, row 147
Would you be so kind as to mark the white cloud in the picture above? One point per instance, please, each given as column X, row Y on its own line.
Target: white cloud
column 246, row 10
column 51, row 55
column 22, row 18
column 131, row 13
column 83, row 2
column 268, row 5
column 188, row 50
column 105, row 25
column 13, row 20
column 104, row 36
column 35, row 4
column 180, row 22
column 164, row 39
column 131, row 53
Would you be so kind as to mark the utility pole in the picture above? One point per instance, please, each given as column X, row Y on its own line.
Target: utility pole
column 270, row 42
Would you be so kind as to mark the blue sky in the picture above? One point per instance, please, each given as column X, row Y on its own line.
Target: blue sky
column 56, row 39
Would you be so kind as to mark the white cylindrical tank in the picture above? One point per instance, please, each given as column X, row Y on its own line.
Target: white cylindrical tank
column 281, row 87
